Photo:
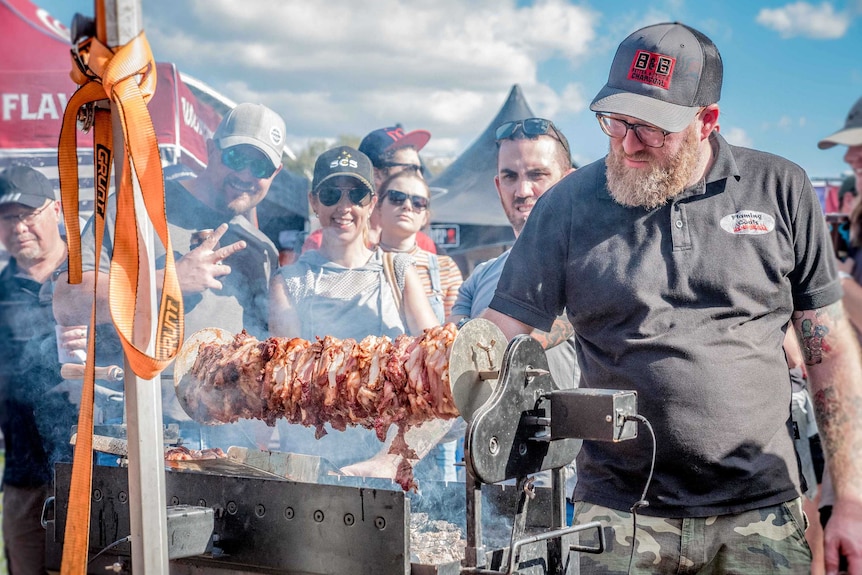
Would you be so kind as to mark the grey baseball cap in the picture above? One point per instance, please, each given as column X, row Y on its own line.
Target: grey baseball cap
column 662, row 74
column 25, row 185
column 255, row 125
column 850, row 134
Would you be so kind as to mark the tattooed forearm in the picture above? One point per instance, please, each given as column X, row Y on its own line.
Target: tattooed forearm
column 560, row 331
column 814, row 328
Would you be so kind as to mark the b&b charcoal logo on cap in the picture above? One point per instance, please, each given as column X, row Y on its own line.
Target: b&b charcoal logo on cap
column 652, row 68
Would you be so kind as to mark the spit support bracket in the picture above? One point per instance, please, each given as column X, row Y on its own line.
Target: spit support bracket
column 508, row 436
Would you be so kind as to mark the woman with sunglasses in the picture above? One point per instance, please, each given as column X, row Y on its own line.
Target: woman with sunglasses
column 344, row 289
column 403, row 210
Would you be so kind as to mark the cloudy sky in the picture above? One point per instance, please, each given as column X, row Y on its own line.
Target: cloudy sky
column 792, row 69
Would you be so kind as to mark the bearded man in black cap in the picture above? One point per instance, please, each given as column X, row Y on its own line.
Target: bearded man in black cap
column 36, row 425
column 680, row 261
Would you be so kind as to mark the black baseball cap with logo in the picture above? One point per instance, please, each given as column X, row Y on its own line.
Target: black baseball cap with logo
column 343, row 161
column 662, row 75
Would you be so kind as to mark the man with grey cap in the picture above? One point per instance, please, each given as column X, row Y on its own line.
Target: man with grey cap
column 35, row 424
column 681, row 260
column 224, row 262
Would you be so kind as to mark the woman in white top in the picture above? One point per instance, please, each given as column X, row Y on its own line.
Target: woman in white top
column 344, row 290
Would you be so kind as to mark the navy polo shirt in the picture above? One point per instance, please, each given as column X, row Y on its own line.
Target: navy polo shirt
column 687, row 304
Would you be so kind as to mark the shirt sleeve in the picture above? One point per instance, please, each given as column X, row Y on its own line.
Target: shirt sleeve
column 814, row 278
column 463, row 304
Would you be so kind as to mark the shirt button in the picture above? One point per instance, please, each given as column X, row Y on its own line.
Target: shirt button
column 678, row 223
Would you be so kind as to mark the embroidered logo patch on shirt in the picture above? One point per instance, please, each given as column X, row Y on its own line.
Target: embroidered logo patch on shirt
column 748, row 222
column 652, row 68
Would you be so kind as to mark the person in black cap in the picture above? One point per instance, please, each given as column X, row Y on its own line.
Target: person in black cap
column 345, row 289
column 680, row 261
column 36, row 425
column 391, row 151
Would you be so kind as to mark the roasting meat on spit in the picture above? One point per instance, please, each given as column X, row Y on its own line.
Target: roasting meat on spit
column 373, row 383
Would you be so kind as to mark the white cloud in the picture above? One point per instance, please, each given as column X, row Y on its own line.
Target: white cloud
column 737, row 137
column 344, row 68
column 806, row 20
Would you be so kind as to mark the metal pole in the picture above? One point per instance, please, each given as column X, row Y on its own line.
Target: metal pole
column 123, row 22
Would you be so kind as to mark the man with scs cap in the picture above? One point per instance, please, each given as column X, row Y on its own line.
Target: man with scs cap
column 680, row 261
column 224, row 262
column 36, row 424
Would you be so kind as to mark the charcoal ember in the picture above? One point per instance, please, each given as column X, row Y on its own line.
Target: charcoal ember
column 434, row 541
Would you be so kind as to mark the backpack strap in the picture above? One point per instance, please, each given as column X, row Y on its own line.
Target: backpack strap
column 434, row 273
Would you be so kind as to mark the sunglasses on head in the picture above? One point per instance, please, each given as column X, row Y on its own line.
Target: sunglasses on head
column 397, row 198
column 331, row 196
column 531, row 128
column 237, row 160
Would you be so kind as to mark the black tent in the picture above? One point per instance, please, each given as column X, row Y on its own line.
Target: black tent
column 471, row 205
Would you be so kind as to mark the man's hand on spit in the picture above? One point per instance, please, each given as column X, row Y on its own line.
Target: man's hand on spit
column 197, row 270
column 843, row 534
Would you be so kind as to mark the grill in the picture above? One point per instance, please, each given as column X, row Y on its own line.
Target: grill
column 243, row 515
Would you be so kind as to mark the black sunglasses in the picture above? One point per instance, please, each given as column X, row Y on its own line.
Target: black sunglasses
column 331, row 196
column 531, row 128
column 237, row 160
column 397, row 198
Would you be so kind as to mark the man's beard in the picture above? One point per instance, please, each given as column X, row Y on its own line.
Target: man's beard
column 652, row 187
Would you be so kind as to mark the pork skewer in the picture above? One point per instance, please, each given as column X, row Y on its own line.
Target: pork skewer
column 373, row 383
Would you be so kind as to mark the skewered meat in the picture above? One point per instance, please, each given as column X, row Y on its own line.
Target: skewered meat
column 373, row 383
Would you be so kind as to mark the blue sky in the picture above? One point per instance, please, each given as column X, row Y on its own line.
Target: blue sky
column 792, row 69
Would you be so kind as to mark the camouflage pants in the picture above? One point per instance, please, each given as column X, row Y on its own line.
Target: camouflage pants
column 770, row 540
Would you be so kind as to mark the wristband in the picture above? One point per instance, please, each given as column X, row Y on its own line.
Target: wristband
column 842, row 275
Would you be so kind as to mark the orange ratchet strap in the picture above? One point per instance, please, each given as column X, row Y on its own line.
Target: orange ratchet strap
column 127, row 78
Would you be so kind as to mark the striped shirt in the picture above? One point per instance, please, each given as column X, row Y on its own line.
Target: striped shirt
column 450, row 277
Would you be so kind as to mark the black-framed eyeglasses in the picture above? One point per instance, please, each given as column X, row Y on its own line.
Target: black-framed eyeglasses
column 531, row 128
column 28, row 219
column 649, row 136
column 330, row 196
column 397, row 198
column 237, row 160
column 406, row 166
